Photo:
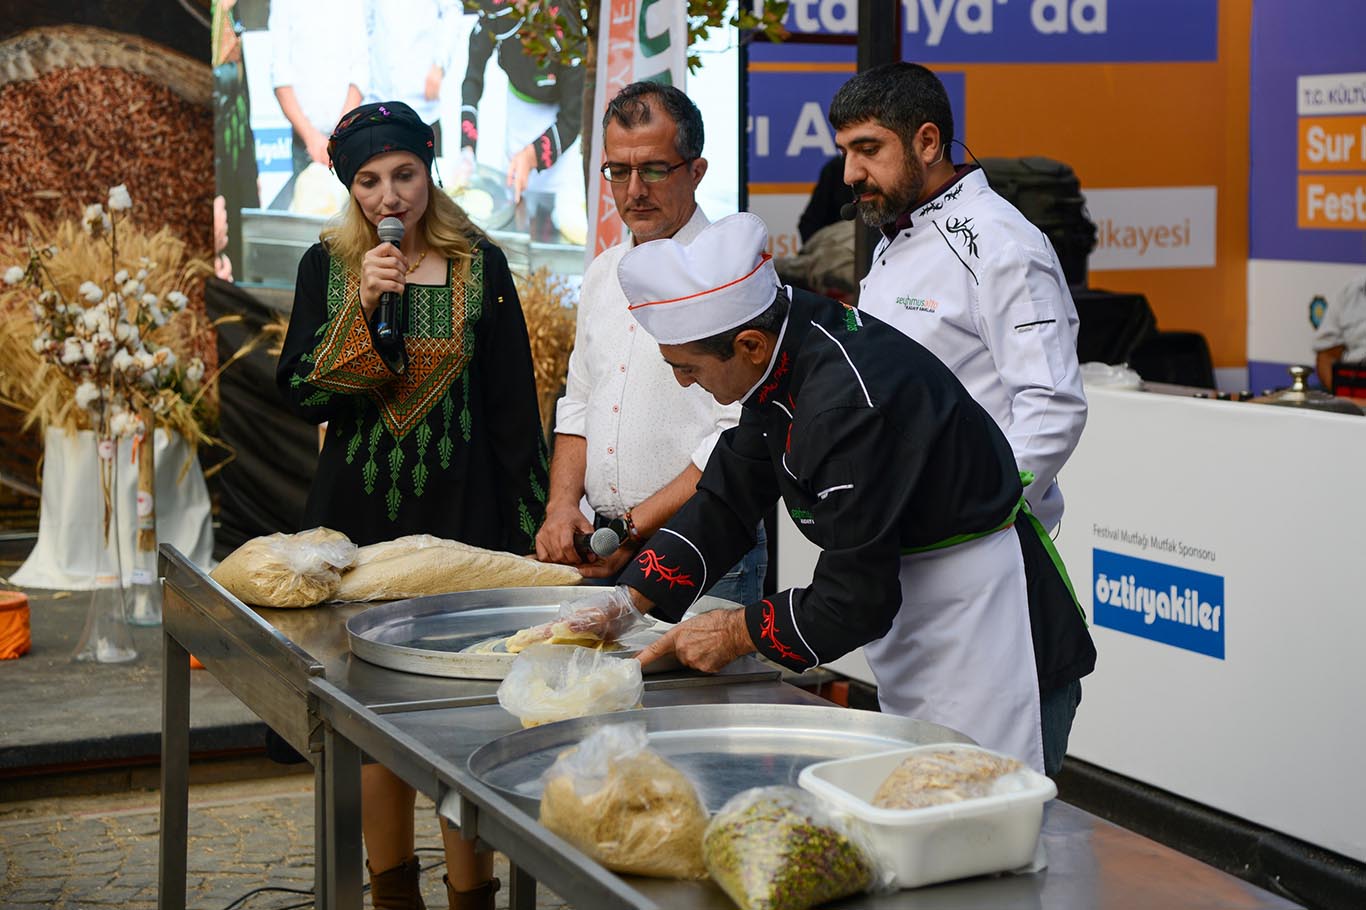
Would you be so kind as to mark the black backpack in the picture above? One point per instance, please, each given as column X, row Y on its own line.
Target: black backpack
column 1048, row 194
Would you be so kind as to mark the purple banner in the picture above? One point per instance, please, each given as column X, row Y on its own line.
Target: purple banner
column 1308, row 194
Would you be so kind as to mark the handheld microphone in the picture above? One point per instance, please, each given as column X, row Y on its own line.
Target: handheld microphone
column 603, row 542
column 849, row 211
column 386, row 322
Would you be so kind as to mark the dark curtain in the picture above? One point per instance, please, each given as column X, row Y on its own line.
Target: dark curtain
column 263, row 489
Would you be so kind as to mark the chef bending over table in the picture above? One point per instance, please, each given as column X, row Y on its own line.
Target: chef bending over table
column 930, row 559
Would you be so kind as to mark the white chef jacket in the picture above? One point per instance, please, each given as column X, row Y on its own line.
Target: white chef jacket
column 642, row 428
column 407, row 38
column 982, row 289
column 319, row 50
column 1345, row 322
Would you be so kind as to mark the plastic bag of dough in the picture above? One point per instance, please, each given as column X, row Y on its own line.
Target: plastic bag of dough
column 623, row 805
column 401, row 546
column 557, row 682
column 287, row 570
column 781, row 848
column 420, row 564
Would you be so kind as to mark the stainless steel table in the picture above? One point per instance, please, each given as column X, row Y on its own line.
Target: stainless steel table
column 1091, row 863
column 267, row 659
column 293, row 668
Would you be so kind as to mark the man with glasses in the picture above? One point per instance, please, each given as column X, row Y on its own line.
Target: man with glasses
column 631, row 442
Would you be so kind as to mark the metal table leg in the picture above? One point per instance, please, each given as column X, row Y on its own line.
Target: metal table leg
column 521, row 890
column 341, row 838
column 175, row 774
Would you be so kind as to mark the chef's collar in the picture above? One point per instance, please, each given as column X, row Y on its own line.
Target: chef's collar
column 922, row 207
column 774, row 382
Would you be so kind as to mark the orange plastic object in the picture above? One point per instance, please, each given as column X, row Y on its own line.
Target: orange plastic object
column 195, row 664
column 15, row 636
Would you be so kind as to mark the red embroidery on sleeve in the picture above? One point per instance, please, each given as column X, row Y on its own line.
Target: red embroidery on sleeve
column 768, row 630
column 650, row 564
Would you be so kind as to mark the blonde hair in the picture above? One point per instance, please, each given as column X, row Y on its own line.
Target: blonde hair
column 445, row 228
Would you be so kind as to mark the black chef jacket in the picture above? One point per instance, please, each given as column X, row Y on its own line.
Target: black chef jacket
column 876, row 450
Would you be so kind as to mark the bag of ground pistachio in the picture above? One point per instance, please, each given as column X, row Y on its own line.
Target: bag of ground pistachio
column 780, row 848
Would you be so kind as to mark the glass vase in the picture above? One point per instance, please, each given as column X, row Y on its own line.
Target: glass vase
column 107, row 638
column 145, row 590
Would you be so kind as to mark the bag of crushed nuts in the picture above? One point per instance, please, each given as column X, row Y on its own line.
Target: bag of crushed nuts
column 622, row 804
column 781, row 848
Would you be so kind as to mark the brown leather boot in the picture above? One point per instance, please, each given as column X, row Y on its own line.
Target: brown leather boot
column 480, row 898
column 398, row 888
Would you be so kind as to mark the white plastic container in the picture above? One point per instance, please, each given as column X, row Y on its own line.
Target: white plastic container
column 937, row 843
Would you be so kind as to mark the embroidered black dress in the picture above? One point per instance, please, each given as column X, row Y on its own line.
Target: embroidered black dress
column 453, row 447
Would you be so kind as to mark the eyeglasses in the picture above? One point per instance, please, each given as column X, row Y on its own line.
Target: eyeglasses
column 650, row 172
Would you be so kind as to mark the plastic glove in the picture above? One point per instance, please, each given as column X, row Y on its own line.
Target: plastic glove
column 608, row 615
column 602, row 616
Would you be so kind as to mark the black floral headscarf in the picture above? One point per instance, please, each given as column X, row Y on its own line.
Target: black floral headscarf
column 373, row 129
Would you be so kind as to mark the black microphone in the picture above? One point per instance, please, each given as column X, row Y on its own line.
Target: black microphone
column 386, row 328
column 388, row 335
column 849, row 211
column 603, row 542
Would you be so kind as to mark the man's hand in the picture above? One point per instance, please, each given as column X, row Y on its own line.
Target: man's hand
column 316, row 143
column 520, row 169
column 555, row 540
column 607, row 615
column 708, row 642
column 431, row 89
column 606, row 567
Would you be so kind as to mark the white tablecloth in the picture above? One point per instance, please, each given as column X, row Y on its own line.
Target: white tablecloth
column 70, row 526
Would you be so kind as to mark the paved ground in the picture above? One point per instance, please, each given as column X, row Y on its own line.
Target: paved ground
column 91, row 852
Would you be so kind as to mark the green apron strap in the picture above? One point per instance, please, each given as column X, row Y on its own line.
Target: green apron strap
column 1026, row 478
column 956, row 539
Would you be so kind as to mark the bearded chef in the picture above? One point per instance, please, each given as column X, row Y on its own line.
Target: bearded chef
column 930, row 558
column 961, row 271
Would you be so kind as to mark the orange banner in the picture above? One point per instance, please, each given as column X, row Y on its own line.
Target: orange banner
column 1332, row 201
column 1332, row 143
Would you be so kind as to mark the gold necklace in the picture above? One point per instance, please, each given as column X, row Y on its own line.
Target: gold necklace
column 420, row 256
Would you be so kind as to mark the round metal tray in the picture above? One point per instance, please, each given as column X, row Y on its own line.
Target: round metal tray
column 429, row 635
column 723, row 749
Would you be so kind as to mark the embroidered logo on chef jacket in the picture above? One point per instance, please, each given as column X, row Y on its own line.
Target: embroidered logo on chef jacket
column 651, row 564
column 1167, row 604
column 919, row 304
column 768, row 631
column 962, row 229
column 802, row 516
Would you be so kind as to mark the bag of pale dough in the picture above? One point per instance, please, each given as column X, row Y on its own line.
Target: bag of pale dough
column 421, row 564
column 622, row 804
column 287, row 570
column 556, row 682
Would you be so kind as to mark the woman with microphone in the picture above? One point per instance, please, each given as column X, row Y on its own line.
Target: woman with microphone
column 435, row 431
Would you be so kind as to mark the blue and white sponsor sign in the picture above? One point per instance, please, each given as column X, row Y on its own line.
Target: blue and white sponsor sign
column 274, row 149
column 1159, row 602
column 1033, row 31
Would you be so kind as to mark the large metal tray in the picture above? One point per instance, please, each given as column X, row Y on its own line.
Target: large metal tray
column 723, row 749
column 429, row 635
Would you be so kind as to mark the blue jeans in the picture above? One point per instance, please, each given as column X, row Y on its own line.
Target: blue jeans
column 744, row 583
column 1056, row 710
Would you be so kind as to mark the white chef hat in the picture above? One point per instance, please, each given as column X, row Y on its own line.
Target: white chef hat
column 721, row 280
